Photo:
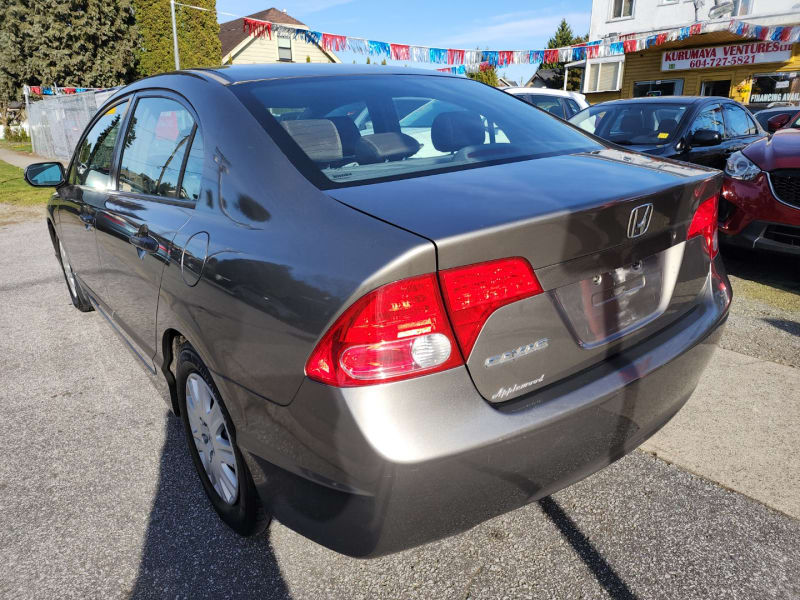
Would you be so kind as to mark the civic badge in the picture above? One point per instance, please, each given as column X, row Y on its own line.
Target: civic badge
column 639, row 220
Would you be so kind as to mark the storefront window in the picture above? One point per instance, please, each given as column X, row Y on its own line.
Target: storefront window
column 659, row 87
column 775, row 87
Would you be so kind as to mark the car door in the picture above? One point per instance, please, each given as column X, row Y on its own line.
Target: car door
column 148, row 207
column 740, row 128
column 86, row 191
column 709, row 116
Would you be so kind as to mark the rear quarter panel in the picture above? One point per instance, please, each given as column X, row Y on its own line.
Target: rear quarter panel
column 281, row 262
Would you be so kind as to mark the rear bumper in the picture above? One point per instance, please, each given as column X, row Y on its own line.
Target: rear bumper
column 757, row 220
column 376, row 470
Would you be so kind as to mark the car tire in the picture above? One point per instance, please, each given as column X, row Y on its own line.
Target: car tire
column 76, row 293
column 211, row 438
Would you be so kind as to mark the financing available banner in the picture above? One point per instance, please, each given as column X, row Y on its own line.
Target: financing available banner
column 726, row 56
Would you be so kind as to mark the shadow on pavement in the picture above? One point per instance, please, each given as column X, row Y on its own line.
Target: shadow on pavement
column 603, row 572
column 188, row 552
column 792, row 327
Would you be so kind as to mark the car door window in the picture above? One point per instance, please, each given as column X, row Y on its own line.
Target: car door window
column 549, row 104
column 737, row 122
column 92, row 164
column 156, row 142
column 710, row 117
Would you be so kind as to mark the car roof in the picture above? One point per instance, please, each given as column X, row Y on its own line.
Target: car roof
column 669, row 100
column 234, row 74
column 542, row 91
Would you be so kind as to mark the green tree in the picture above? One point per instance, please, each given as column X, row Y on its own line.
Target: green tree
column 487, row 76
column 564, row 37
column 198, row 36
column 81, row 43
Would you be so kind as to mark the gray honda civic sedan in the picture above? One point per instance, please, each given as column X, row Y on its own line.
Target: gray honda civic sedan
column 387, row 304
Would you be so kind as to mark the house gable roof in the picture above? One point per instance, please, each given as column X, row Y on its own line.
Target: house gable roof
column 231, row 33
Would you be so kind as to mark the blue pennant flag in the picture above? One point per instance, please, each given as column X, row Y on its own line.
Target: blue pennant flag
column 379, row 48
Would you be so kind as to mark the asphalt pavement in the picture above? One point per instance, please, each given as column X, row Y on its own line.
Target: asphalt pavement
column 98, row 497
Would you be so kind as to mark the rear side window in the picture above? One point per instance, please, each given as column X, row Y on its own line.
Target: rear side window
column 709, row 118
column 193, row 173
column 572, row 107
column 158, row 138
column 550, row 104
column 417, row 124
column 92, row 164
column 737, row 122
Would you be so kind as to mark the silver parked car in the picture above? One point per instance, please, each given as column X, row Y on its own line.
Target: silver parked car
column 387, row 305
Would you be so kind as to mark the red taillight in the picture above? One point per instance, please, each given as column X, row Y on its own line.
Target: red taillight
column 705, row 223
column 397, row 331
column 474, row 292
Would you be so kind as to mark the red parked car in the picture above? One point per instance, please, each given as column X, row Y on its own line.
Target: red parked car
column 760, row 205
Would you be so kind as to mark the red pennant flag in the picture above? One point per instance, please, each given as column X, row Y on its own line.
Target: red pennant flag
column 695, row 29
column 661, row 38
column 455, row 57
column 629, row 46
column 551, row 56
column 334, row 42
column 505, row 57
column 257, row 28
column 763, row 34
column 592, row 51
column 786, row 34
column 400, row 52
column 36, row 90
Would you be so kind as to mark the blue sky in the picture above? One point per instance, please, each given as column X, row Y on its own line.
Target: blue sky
column 507, row 25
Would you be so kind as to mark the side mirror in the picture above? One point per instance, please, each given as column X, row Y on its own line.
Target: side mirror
column 45, row 174
column 706, row 137
column 776, row 122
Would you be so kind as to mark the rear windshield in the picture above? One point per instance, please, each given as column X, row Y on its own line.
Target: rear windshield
column 632, row 123
column 349, row 130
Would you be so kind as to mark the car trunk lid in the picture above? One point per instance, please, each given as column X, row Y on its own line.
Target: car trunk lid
column 605, row 233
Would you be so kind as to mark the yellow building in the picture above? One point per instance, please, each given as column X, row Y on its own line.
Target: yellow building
column 240, row 48
column 718, row 63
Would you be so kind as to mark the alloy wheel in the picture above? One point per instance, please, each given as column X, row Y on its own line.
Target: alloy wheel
column 212, row 438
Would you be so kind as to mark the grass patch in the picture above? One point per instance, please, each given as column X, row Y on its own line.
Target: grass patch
column 769, row 294
column 17, row 146
column 14, row 190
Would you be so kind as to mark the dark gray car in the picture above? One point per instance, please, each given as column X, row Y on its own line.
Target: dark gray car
column 384, row 332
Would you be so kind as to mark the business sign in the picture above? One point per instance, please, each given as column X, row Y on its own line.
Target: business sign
column 733, row 55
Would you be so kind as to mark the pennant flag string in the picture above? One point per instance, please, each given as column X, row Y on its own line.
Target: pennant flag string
column 496, row 58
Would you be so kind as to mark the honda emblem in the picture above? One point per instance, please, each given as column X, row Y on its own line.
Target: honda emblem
column 639, row 220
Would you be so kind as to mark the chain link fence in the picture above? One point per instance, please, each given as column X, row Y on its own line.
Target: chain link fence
column 56, row 123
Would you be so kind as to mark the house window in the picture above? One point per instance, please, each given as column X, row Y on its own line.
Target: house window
column 284, row 48
column 603, row 77
column 621, row 9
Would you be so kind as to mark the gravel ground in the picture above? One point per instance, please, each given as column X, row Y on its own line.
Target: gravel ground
column 765, row 314
column 99, row 500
